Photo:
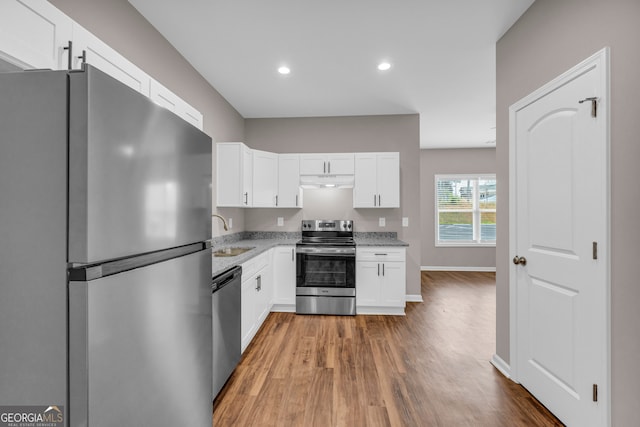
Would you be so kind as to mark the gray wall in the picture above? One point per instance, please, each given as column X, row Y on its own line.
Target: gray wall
column 455, row 161
column 551, row 37
column 347, row 134
column 119, row 25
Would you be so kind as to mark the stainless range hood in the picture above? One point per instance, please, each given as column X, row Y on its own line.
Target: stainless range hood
column 326, row 181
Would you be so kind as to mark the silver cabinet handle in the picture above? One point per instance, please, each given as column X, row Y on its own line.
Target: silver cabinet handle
column 374, row 200
column 69, row 47
column 246, row 198
column 324, row 167
column 378, row 269
column 379, row 201
column 329, row 167
column 293, row 254
column 296, row 200
column 276, row 200
column 383, row 269
column 259, row 283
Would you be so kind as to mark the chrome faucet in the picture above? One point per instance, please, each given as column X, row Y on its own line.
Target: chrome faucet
column 224, row 221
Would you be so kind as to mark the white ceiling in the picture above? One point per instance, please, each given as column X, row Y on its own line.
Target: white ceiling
column 442, row 54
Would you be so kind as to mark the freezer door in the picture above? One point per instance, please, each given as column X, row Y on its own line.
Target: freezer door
column 139, row 176
column 140, row 346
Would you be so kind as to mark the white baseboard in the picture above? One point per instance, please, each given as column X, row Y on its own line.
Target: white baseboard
column 501, row 365
column 385, row 311
column 453, row 268
column 414, row 298
column 283, row 308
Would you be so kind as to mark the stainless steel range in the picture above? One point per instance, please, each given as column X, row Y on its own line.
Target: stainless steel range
column 326, row 268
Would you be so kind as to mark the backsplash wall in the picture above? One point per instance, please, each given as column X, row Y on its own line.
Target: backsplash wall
column 324, row 203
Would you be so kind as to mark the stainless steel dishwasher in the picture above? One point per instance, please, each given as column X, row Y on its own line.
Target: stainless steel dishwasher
column 226, row 325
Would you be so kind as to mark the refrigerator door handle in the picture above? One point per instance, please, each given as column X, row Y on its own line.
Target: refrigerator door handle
column 84, row 273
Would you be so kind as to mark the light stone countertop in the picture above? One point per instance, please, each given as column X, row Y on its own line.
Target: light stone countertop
column 262, row 242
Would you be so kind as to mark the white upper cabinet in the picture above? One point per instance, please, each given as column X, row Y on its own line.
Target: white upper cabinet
column 34, row 34
column 169, row 100
column 234, row 175
column 265, row 178
column 377, row 180
column 327, row 164
column 94, row 51
column 289, row 191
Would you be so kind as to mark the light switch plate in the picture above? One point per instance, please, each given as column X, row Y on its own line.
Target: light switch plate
column 280, row 221
column 230, row 223
column 405, row 221
column 382, row 222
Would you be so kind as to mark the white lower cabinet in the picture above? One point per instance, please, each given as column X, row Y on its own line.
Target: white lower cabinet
column 284, row 278
column 380, row 280
column 257, row 291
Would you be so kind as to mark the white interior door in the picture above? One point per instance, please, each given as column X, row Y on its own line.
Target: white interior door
column 560, row 177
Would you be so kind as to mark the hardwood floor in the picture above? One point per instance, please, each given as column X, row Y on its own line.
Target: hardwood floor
column 428, row 368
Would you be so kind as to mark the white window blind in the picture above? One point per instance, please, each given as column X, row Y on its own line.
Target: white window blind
column 465, row 210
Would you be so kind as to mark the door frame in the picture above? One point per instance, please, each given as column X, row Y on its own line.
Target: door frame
column 600, row 59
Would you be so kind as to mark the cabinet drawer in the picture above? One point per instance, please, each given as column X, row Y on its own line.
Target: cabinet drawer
column 380, row 253
column 255, row 264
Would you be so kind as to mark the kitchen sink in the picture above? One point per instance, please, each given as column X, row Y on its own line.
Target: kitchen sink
column 229, row 252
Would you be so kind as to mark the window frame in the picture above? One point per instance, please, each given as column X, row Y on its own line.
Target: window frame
column 475, row 211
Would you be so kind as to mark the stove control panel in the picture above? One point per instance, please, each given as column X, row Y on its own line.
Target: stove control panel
column 327, row 225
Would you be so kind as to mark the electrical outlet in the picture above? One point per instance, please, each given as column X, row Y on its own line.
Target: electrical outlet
column 280, row 221
column 405, row 221
column 382, row 222
column 230, row 223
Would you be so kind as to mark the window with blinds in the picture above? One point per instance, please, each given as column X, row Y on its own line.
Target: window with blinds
column 465, row 210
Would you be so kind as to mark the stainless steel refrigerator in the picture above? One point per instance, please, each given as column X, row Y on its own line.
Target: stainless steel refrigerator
column 105, row 265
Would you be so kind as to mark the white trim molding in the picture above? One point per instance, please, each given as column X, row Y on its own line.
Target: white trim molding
column 455, row 268
column 502, row 366
column 414, row 298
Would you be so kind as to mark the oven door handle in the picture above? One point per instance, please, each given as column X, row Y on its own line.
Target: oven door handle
column 348, row 252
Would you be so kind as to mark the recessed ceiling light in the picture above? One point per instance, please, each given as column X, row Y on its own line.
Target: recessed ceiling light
column 284, row 70
column 384, row 66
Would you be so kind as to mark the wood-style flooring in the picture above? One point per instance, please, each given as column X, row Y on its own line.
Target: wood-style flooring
column 428, row 368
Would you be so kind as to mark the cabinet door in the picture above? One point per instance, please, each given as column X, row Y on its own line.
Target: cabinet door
column 169, row 100
column 393, row 284
column 265, row 294
column 246, row 177
column 340, row 164
column 365, row 193
column 33, row 34
column 248, row 325
column 265, row 178
column 313, row 164
column 105, row 58
column 229, row 174
column 284, row 276
column 388, row 180
column 289, row 193
column 368, row 283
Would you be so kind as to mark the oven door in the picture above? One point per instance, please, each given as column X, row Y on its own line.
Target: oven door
column 325, row 271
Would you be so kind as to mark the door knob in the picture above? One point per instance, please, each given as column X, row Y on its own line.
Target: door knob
column 519, row 260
